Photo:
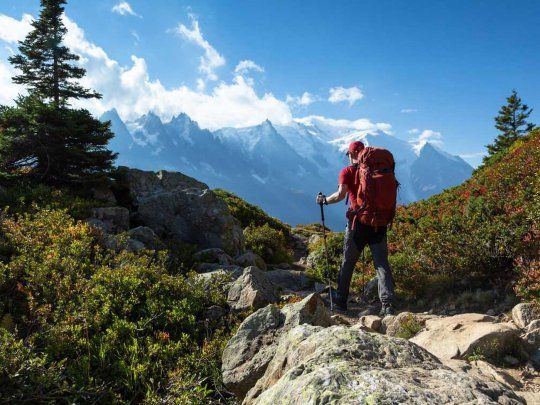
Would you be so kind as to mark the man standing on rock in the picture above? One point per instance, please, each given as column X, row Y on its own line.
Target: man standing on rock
column 358, row 235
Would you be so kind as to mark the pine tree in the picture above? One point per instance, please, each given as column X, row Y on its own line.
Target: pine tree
column 41, row 137
column 512, row 123
column 45, row 63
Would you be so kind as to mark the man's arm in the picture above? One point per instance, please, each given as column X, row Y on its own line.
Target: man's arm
column 338, row 196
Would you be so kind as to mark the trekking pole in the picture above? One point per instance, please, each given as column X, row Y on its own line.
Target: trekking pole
column 326, row 256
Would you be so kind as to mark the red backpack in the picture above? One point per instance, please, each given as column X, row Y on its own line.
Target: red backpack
column 377, row 190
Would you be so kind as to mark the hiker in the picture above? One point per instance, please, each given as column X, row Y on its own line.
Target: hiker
column 358, row 234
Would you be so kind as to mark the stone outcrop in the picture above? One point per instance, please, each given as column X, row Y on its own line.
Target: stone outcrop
column 250, row 259
column 523, row 314
column 460, row 335
column 289, row 280
column 179, row 207
column 146, row 236
column 346, row 365
column 252, row 290
column 213, row 255
column 251, row 349
column 110, row 219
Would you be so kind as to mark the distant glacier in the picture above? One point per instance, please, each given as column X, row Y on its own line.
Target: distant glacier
column 278, row 167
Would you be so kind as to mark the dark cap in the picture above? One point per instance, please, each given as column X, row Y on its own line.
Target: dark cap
column 355, row 146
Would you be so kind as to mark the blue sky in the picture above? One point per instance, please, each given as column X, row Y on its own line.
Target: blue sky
column 442, row 68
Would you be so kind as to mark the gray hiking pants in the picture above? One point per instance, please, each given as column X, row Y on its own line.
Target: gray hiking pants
column 354, row 243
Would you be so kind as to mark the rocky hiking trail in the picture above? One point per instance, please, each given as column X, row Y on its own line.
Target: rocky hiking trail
column 292, row 350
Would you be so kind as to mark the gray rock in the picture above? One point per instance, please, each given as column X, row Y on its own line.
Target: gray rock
column 372, row 322
column 179, row 207
column 249, row 351
column 115, row 219
column 459, row 336
column 252, row 290
column 289, row 280
column 215, row 313
column 230, row 273
column 341, row 365
column 250, row 259
column 211, row 267
column 213, row 255
column 104, row 194
column 146, row 236
column 523, row 314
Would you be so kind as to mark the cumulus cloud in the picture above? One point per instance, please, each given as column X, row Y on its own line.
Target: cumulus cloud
column 132, row 92
column 303, row 100
column 413, row 131
column 408, row 110
column 427, row 135
column 124, row 8
column 340, row 94
column 211, row 59
column 13, row 30
column 339, row 127
column 245, row 66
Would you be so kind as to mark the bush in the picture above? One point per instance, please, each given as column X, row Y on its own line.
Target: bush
column 92, row 324
column 269, row 243
column 251, row 215
column 482, row 234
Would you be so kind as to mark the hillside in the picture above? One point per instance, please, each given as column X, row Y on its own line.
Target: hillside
column 483, row 233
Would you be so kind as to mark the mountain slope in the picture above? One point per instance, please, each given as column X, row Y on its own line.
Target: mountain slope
column 485, row 232
column 435, row 170
column 280, row 168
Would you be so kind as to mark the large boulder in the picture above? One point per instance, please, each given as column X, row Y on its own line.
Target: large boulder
column 339, row 364
column 110, row 219
column 249, row 351
column 523, row 314
column 289, row 280
column 460, row 336
column 252, row 290
column 146, row 236
column 213, row 255
column 250, row 259
column 179, row 207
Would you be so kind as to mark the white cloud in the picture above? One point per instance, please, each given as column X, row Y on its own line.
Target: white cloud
column 408, row 110
column 362, row 124
column 124, row 8
column 132, row 91
column 246, row 65
column 211, row 59
column 303, row 100
column 427, row 135
column 351, row 95
column 13, row 30
column 413, row 131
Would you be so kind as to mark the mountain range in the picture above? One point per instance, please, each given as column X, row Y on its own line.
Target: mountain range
column 278, row 167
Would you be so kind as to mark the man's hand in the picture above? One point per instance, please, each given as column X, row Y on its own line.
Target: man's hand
column 321, row 199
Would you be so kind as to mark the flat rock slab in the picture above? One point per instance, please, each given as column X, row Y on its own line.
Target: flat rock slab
column 458, row 336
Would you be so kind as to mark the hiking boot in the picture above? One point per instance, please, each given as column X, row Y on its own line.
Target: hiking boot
column 387, row 309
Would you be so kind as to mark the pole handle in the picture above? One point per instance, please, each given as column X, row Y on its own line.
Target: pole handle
column 322, row 209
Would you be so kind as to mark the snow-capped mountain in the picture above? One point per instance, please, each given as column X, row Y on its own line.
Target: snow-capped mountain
column 280, row 168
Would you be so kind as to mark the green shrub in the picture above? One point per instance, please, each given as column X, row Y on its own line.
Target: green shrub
column 91, row 323
column 483, row 233
column 409, row 327
column 269, row 243
column 251, row 215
